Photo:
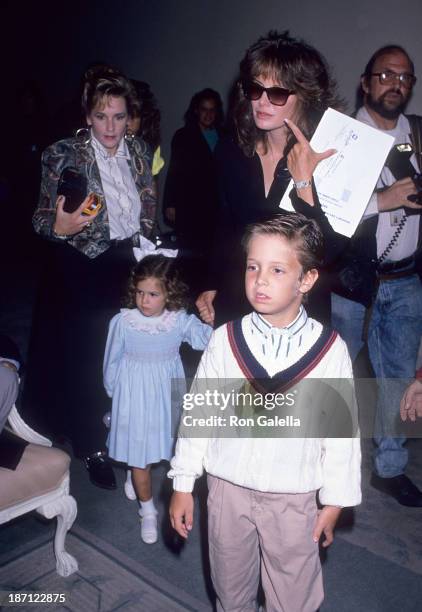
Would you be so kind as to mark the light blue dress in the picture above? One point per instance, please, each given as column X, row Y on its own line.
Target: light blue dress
column 141, row 360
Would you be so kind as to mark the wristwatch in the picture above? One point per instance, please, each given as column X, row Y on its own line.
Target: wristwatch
column 302, row 184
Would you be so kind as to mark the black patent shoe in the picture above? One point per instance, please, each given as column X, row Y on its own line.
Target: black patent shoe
column 399, row 487
column 100, row 471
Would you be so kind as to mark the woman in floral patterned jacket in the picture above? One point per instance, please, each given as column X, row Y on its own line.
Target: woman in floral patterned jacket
column 87, row 261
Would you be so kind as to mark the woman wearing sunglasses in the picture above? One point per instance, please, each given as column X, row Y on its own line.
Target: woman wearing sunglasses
column 283, row 90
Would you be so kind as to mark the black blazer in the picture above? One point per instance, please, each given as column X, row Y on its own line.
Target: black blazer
column 191, row 188
column 243, row 201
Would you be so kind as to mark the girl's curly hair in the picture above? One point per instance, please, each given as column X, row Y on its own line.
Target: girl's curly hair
column 300, row 68
column 163, row 269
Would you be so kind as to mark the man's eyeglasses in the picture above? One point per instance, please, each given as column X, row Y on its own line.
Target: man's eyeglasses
column 276, row 95
column 389, row 78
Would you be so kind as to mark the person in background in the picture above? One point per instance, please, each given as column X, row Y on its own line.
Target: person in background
column 390, row 235
column 191, row 194
column 9, row 379
column 88, row 255
column 145, row 123
column 411, row 402
column 11, row 446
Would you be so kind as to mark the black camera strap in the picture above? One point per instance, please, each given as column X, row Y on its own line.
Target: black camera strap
column 415, row 123
column 393, row 240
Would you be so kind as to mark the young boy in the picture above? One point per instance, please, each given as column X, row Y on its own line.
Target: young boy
column 262, row 511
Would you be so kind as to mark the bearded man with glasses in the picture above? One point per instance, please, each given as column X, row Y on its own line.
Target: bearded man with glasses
column 390, row 237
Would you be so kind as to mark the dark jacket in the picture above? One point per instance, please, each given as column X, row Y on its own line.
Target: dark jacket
column 95, row 238
column 243, row 201
column 191, row 188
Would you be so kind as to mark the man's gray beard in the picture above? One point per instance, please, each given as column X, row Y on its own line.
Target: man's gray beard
column 378, row 107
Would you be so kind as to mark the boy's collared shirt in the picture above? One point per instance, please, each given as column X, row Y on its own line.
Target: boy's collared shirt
column 277, row 348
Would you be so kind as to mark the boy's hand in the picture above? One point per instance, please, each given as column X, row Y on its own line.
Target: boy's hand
column 181, row 513
column 325, row 523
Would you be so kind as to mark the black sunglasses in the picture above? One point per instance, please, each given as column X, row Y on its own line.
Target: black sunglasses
column 276, row 95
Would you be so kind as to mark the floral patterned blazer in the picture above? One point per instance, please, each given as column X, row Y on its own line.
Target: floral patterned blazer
column 95, row 238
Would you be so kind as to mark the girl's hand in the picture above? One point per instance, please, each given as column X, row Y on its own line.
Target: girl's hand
column 302, row 161
column 68, row 224
column 325, row 523
column 204, row 304
column 181, row 513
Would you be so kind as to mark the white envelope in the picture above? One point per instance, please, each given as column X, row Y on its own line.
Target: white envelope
column 346, row 180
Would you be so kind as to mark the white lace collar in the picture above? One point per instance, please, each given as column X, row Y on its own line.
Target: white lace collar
column 151, row 325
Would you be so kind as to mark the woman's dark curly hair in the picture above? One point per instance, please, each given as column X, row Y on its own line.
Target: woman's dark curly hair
column 296, row 66
column 164, row 270
column 149, row 113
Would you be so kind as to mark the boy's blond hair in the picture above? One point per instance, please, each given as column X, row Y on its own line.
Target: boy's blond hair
column 304, row 234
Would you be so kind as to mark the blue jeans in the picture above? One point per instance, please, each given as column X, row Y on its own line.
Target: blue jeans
column 394, row 335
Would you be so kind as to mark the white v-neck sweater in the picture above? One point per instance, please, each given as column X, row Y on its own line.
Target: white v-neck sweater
column 277, row 465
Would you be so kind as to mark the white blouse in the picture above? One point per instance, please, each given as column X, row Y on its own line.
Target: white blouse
column 122, row 198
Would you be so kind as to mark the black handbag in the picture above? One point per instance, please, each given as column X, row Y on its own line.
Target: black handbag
column 355, row 278
column 354, row 274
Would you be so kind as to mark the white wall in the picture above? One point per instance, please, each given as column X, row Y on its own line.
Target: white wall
column 200, row 44
column 182, row 46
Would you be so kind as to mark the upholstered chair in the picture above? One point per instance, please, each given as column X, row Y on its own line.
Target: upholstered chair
column 40, row 482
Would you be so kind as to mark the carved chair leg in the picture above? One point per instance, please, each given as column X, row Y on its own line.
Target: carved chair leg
column 65, row 509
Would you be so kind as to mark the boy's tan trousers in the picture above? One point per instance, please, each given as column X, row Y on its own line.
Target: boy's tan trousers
column 251, row 532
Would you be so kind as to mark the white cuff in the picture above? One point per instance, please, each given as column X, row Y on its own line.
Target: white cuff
column 184, row 484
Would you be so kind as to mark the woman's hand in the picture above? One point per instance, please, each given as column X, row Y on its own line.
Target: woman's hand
column 205, row 307
column 302, row 161
column 68, row 224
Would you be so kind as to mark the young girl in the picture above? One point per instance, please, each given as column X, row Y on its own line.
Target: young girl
column 141, row 359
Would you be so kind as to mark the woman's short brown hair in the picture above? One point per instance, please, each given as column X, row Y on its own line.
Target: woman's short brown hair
column 102, row 81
